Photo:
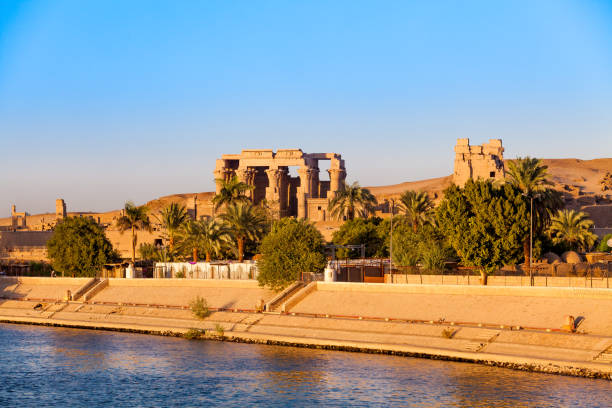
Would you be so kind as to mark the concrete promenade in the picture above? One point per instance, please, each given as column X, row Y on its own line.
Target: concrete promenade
column 515, row 327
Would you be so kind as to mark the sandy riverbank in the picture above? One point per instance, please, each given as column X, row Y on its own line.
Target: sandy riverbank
column 456, row 323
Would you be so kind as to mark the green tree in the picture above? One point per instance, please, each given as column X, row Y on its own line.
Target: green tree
column 232, row 192
column 134, row 218
column 172, row 219
column 417, row 207
column 245, row 222
column 79, row 247
column 572, row 228
column 292, row 247
column 352, row 200
column 530, row 176
column 485, row 224
column 208, row 235
column 361, row 231
column 426, row 246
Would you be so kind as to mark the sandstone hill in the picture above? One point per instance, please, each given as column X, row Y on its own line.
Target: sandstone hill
column 577, row 179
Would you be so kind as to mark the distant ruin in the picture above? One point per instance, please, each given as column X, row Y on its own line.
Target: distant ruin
column 485, row 161
column 304, row 196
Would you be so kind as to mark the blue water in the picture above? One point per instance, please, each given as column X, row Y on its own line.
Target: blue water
column 67, row 367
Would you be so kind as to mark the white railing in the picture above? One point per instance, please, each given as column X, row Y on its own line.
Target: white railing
column 206, row 270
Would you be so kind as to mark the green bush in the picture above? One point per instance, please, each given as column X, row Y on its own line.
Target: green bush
column 220, row 330
column 603, row 244
column 362, row 231
column 199, row 307
column 79, row 247
column 292, row 247
column 193, row 334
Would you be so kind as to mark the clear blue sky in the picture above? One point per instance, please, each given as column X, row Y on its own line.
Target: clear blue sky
column 107, row 101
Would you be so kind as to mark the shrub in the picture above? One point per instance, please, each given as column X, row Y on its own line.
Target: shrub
column 448, row 333
column 193, row 334
column 220, row 330
column 292, row 247
column 603, row 244
column 181, row 274
column 199, row 307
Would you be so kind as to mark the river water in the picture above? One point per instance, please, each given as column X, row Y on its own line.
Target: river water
column 44, row 366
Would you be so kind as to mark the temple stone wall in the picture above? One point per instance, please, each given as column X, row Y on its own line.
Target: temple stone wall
column 268, row 172
column 484, row 161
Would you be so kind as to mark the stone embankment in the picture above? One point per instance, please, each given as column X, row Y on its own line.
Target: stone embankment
column 515, row 327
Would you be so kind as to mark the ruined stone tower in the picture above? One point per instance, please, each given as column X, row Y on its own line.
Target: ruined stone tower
column 60, row 209
column 484, row 161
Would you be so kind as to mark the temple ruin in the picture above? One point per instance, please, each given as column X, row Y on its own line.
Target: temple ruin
column 485, row 161
column 302, row 196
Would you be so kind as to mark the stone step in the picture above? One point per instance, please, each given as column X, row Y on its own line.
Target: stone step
column 604, row 357
column 474, row 346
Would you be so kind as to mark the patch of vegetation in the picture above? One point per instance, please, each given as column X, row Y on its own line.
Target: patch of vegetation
column 603, row 244
column 448, row 333
column 292, row 247
column 193, row 334
column 220, row 330
column 79, row 247
column 485, row 224
column 181, row 274
column 371, row 231
column 199, row 307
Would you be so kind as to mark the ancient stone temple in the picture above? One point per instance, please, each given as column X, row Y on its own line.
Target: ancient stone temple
column 303, row 196
column 485, row 161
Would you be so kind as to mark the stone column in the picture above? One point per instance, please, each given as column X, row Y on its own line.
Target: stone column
column 283, row 187
column 273, row 189
column 247, row 176
column 336, row 181
column 306, row 174
column 314, row 183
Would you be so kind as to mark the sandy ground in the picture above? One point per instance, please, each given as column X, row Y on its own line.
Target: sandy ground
column 241, row 298
column 11, row 289
column 502, row 310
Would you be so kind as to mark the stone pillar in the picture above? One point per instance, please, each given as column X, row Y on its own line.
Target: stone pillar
column 247, row 176
column 283, row 187
column 60, row 209
column 306, row 174
column 221, row 174
column 336, row 181
column 314, row 183
column 273, row 189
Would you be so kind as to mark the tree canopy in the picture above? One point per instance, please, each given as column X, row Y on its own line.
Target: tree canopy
column 292, row 247
column 353, row 201
column 232, row 192
column 134, row 218
column 485, row 224
column 372, row 232
column 245, row 222
column 79, row 247
column 572, row 228
column 417, row 207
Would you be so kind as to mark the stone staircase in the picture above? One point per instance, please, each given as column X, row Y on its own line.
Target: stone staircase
column 605, row 356
column 274, row 305
column 481, row 340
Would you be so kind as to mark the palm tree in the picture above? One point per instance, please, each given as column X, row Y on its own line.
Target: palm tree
column 531, row 177
column 352, row 200
column 572, row 227
column 134, row 218
column 209, row 235
column 232, row 191
column 172, row 218
column 417, row 207
column 244, row 222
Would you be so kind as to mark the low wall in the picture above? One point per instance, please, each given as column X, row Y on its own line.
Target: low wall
column 574, row 281
column 476, row 290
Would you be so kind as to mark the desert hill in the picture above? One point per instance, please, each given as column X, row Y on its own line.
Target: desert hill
column 577, row 179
